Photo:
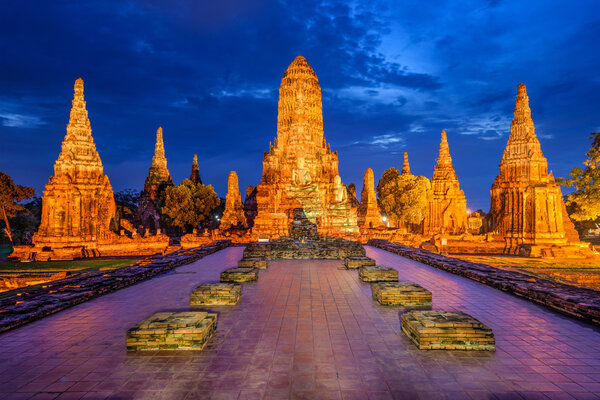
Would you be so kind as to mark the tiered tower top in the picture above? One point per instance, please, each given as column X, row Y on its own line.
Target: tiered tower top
column 523, row 158
column 299, row 99
column 300, row 144
column 444, row 170
column 78, row 157
column 158, row 172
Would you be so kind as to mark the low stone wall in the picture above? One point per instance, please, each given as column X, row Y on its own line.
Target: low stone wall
column 37, row 303
column 322, row 249
column 572, row 300
column 11, row 281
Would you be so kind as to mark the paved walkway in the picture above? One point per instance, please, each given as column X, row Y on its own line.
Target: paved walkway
column 306, row 329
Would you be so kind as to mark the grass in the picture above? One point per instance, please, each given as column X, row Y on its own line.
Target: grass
column 57, row 266
column 578, row 272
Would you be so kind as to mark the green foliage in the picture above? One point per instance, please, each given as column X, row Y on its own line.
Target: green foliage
column 26, row 221
column 403, row 198
column 583, row 203
column 188, row 206
column 11, row 195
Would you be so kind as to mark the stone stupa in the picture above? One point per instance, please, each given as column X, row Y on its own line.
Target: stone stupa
column 300, row 171
column 447, row 206
column 78, row 203
column 527, row 210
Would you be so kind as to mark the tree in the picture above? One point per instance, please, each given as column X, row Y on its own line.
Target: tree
column 188, row 205
column 10, row 196
column 403, row 197
column 583, row 203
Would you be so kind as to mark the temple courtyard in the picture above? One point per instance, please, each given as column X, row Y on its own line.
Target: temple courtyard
column 307, row 329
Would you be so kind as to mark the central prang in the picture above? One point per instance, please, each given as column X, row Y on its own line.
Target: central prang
column 300, row 171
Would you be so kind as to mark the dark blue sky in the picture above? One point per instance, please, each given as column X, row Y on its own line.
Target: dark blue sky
column 393, row 75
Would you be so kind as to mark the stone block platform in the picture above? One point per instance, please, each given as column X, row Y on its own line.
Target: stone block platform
column 321, row 249
column 378, row 274
column 446, row 330
column 400, row 294
column 216, row 294
column 239, row 275
column 253, row 262
column 172, row 331
column 357, row 262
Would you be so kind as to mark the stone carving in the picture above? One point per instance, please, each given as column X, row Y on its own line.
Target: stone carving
column 368, row 211
column 447, row 206
column 78, row 204
column 195, row 175
column 233, row 216
column 301, row 176
column 526, row 203
column 340, row 193
column 156, row 182
column 299, row 169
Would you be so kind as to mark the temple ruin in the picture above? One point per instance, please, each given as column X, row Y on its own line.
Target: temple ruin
column 527, row 210
column 157, row 180
column 447, row 207
column 300, row 171
column 368, row 211
column 233, row 216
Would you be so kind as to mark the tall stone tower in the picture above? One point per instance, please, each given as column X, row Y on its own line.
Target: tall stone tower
column 78, row 203
column 195, row 175
column 447, row 207
column 526, row 203
column 157, row 180
column 299, row 170
column 405, row 165
column 368, row 211
column 233, row 215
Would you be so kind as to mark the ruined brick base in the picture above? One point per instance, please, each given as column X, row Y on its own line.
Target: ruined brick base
column 172, row 331
column 253, row 262
column 400, row 294
column 446, row 330
column 378, row 274
column 216, row 294
column 357, row 262
column 239, row 275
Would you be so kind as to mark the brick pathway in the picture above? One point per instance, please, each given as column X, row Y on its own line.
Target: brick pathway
column 306, row 329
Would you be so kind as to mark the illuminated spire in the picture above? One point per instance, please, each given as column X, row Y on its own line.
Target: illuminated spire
column 195, row 176
column 405, row 165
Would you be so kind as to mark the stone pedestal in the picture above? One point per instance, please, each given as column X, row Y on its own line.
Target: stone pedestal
column 446, row 330
column 172, row 331
column 253, row 262
column 378, row 274
column 239, row 275
column 400, row 294
column 357, row 262
column 216, row 294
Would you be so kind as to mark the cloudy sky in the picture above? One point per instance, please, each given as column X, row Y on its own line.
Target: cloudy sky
column 393, row 75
